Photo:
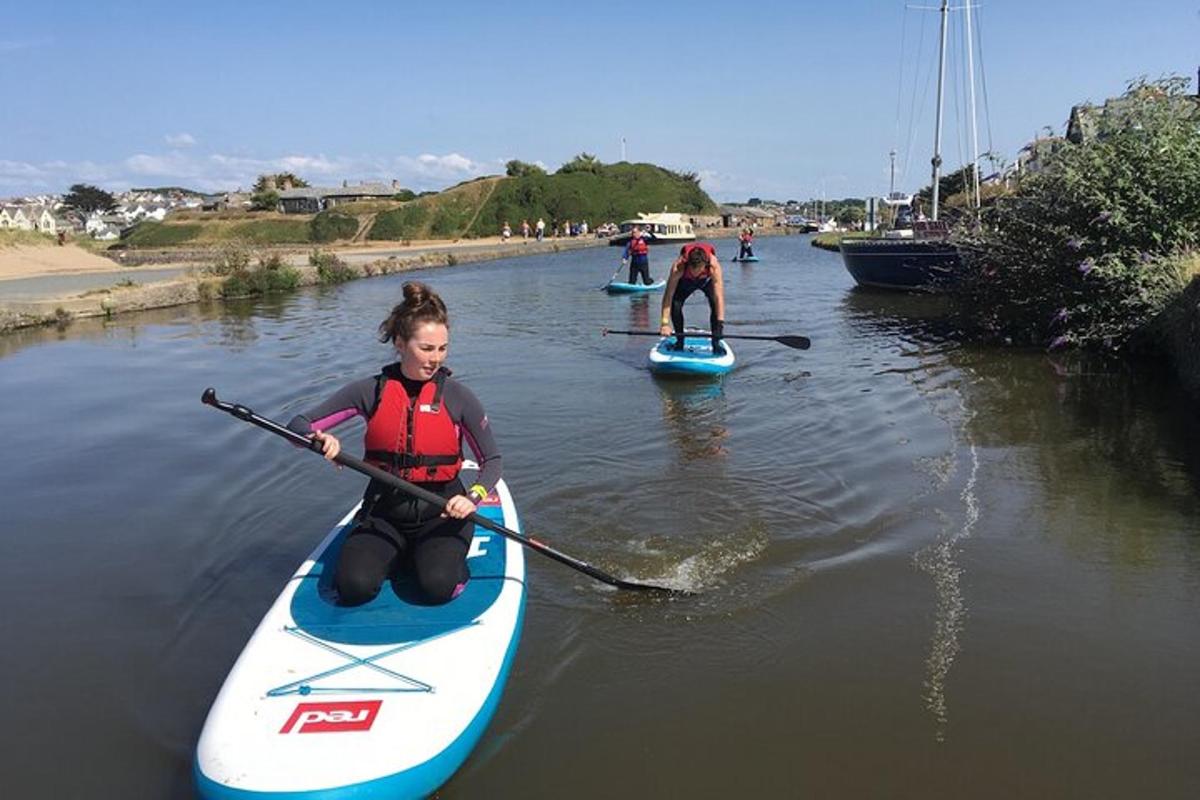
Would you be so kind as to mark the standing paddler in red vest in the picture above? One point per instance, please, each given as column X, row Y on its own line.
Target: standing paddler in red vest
column 696, row 269
column 637, row 253
column 417, row 417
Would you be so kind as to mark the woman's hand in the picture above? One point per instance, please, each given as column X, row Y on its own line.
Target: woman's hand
column 330, row 446
column 459, row 506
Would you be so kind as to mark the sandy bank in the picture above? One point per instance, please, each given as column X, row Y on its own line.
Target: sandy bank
column 26, row 261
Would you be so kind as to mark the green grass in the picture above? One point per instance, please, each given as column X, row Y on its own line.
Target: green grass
column 329, row 226
column 13, row 237
column 161, row 234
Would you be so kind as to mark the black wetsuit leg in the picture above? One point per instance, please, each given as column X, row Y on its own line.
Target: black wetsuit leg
column 684, row 290
column 639, row 266
column 394, row 526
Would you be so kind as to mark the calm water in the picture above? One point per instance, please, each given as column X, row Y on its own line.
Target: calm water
column 926, row 570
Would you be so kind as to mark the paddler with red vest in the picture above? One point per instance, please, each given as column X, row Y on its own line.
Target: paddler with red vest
column 637, row 253
column 696, row 269
column 417, row 417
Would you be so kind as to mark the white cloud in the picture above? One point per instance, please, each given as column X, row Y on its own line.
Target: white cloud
column 180, row 139
column 218, row 171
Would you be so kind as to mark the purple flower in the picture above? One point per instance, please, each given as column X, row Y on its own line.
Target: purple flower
column 1060, row 316
column 1057, row 343
column 1103, row 216
column 1075, row 243
column 1145, row 257
column 1086, row 266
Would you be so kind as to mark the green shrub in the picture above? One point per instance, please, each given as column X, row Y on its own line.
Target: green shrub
column 1086, row 251
column 330, row 268
column 329, row 226
column 270, row 276
column 230, row 258
column 402, row 223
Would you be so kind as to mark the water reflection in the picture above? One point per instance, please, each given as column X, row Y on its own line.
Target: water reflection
column 912, row 316
column 694, row 412
column 639, row 312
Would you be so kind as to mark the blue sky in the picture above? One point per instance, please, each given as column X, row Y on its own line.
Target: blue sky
column 773, row 99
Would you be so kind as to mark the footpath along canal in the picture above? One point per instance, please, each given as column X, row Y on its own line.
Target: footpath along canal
column 925, row 569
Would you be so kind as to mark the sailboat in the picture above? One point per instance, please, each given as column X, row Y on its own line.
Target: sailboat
column 921, row 258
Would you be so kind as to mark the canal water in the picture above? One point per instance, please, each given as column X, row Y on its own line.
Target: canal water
column 924, row 569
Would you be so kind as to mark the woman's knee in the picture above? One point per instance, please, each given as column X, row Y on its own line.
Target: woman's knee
column 354, row 587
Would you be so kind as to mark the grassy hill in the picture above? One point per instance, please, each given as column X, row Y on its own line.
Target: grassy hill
column 477, row 208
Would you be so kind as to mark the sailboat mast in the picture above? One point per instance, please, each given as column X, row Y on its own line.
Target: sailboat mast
column 974, row 126
column 937, row 133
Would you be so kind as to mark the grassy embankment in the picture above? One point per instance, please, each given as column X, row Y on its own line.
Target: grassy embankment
column 474, row 209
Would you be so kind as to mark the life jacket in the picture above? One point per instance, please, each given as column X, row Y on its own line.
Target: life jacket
column 686, row 251
column 638, row 246
column 417, row 441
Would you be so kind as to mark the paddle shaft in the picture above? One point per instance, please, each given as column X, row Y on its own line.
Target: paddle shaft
column 796, row 342
column 247, row 415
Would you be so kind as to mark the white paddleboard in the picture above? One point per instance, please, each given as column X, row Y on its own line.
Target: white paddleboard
column 386, row 699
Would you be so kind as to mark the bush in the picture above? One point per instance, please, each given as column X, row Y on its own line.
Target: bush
column 329, row 226
column 271, row 275
column 330, row 268
column 1088, row 250
column 403, row 223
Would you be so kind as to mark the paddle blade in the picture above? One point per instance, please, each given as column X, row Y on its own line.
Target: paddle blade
column 797, row 342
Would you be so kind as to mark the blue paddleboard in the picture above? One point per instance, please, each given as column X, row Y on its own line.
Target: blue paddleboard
column 696, row 357
column 382, row 700
column 618, row 287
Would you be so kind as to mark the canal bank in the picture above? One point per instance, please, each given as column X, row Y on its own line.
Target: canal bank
column 141, row 280
column 120, row 291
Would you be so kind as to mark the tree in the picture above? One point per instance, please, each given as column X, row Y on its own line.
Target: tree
column 519, row 169
column 1088, row 250
column 279, row 180
column 86, row 199
column 264, row 200
column 584, row 162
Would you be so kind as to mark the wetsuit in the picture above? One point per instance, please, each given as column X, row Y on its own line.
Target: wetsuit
column 394, row 530
column 638, row 253
column 688, row 283
column 747, row 249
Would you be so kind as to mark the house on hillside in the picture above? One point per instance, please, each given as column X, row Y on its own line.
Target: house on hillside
column 313, row 199
column 1084, row 123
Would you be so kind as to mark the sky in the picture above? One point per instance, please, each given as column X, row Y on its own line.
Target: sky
column 778, row 100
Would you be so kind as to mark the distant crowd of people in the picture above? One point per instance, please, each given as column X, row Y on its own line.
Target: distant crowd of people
column 538, row 229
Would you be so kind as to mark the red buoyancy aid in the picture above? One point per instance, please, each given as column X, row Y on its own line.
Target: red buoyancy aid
column 638, row 246
column 686, row 251
column 415, row 440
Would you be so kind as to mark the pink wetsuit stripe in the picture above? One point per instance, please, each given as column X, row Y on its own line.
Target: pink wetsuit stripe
column 337, row 418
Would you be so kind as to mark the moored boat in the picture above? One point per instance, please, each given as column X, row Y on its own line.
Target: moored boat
column 662, row 228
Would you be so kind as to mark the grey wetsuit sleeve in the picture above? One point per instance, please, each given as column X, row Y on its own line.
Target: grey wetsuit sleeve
column 466, row 410
column 352, row 400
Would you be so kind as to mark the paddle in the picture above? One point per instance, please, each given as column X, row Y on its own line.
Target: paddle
column 795, row 342
column 247, row 415
column 617, row 271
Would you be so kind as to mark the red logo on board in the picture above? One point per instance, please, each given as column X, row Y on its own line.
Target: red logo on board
column 355, row 715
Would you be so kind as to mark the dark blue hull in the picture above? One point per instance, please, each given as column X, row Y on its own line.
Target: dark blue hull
column 902, row 264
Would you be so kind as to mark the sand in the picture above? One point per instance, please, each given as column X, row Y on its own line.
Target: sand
column 25, row 261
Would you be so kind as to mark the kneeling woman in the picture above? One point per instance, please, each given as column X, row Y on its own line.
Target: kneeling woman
column 416, row 417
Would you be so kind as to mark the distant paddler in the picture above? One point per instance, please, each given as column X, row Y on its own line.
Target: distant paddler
column 637, row 253
column 696, row 269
